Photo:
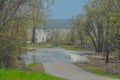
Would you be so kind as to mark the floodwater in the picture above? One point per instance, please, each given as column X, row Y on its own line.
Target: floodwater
column 52, row 55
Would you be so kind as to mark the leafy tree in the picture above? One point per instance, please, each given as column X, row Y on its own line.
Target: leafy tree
column 101, row 24
column 15, row 17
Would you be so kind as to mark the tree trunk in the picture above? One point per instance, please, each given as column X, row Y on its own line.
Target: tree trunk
column 94, row 43
column 119, row 55
column 33, row 36
column 107, row 52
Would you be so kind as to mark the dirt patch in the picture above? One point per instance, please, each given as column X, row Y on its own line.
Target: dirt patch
column 36, row 67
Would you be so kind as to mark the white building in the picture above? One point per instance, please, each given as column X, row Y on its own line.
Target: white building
column 41, row 35
column 54, row 28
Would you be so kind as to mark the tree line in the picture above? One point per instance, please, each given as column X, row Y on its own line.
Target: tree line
column 15, row 18
column 99, row 25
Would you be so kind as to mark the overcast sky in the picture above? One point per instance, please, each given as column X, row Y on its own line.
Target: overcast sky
column 66, row 9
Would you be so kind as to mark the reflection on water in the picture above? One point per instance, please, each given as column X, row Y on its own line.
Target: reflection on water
column 46, row 55
column 53, row 55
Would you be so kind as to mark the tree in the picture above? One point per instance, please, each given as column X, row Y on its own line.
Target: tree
column 78, row 29
column 15, row 17
column 101, row 23
column 10, row 34
column 103, row 16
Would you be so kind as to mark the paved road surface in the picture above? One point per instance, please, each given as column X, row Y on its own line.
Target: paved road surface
column 69, row 71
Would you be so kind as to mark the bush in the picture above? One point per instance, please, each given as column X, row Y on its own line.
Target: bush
column 8, row 51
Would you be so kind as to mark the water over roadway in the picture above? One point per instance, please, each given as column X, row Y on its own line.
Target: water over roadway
column 58, row 62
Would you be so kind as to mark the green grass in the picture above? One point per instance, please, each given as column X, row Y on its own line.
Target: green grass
column 103, row 73
column 25, row 75
column 67, row 47
column 96, row 70
column 31, row 65
column 71, row 47
column 54, row 45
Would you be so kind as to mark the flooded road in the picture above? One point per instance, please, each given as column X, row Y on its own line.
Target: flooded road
column 58, row 62
column 52, row 55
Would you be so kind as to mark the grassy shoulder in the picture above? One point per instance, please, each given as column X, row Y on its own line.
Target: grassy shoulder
column 54, row 45
column 69, row 47
column 25, row 75
column 96, row 70
column 98, row 66
column 36, row 67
